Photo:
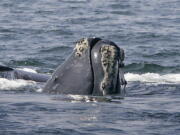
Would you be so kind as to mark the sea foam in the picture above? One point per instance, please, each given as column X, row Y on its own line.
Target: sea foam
column 154, row 78
column 18, row 84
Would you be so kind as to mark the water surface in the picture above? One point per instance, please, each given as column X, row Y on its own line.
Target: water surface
column 39, row 35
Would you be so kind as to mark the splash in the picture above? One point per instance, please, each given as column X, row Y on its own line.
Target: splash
column 18, row 84
column 154, row 78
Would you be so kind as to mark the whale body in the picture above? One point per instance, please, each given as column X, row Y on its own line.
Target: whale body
column 93, row 68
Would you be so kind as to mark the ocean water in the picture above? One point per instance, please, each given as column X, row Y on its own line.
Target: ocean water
column 38, row 35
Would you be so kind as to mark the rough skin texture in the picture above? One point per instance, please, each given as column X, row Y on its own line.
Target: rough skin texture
column 109, row 61
column 81, row 46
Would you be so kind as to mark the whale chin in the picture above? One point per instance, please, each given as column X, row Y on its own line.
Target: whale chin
column 94, row 68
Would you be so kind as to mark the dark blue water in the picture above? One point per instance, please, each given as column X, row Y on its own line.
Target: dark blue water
column 40, row 34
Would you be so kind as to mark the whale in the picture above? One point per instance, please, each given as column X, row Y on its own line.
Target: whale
column 95, row 67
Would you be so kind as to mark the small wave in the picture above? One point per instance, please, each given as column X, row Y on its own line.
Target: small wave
column 88, row 98
column 57, row 49
column 164, row 53
column 154, row 78
column 27, row 62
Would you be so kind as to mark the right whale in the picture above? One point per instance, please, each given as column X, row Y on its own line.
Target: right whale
column 94, row 68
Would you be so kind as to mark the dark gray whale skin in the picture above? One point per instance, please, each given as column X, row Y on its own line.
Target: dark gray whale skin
column 75, row 75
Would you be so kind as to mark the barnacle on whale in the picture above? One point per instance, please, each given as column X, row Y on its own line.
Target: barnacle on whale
column 81, row 46
column 109, row 60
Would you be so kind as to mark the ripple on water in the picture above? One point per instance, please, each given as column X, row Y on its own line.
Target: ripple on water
column 150, row 67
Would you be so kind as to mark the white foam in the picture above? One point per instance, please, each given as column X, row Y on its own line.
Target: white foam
column 18, row 84
column 154, row 78
column 76, row 98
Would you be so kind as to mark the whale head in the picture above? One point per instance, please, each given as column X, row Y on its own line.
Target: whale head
column 93, row 68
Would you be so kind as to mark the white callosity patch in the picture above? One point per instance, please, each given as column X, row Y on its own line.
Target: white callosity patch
column 81, row 46
column 109, row 60
column 154, row 78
